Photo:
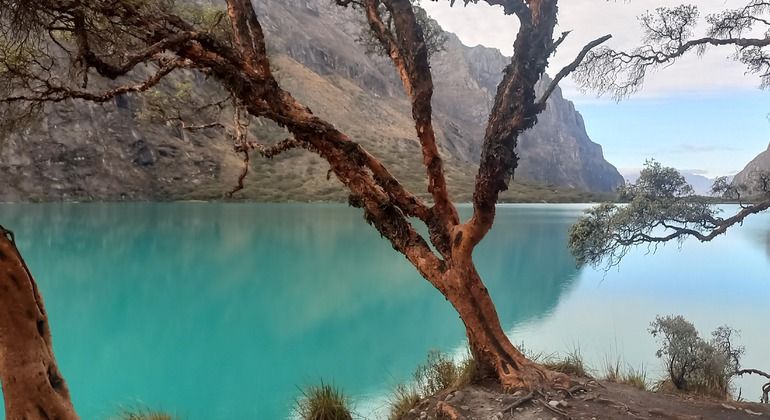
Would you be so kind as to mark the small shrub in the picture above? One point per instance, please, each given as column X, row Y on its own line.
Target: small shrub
column 402, row 400
column 694, row 364
column 323, row 402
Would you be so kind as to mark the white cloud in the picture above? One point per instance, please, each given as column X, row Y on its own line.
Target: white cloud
column 589, row 19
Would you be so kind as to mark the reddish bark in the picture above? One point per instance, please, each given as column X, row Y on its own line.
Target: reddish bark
column 33, row 387
column 243, row 69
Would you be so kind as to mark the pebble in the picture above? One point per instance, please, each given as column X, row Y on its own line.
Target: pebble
column 464, row 408
column 553, row 403
column 458, row 396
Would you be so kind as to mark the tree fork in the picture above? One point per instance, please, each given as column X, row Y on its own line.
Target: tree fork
column 33, row 387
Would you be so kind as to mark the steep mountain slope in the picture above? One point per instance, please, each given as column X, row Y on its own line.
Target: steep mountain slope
column 82, row 151
column 759, row 163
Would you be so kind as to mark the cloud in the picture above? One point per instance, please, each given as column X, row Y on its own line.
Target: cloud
column 589, row 19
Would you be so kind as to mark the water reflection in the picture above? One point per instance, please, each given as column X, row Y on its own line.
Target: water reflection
column 219, row 311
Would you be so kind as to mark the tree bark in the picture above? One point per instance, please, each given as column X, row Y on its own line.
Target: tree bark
column 496, row 357
column 33, row 387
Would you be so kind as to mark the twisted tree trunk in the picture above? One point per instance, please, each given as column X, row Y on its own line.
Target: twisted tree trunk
column 33, row 387
column 496, row 357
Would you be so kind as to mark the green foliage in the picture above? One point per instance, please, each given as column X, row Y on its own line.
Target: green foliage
column 693, row 363
column 403, row 399
column 660, row 200
column 323, row 402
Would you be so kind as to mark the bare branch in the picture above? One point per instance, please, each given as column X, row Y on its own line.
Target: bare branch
column 570, row 67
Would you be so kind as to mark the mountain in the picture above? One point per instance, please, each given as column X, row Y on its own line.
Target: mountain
column 701, row 184
column 81, row 151
column 759, row 163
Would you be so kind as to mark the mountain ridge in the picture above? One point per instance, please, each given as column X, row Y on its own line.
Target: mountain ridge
column 81, row 151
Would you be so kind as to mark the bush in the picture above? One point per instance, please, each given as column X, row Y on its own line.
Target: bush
column 695, row 364
column 323, row 402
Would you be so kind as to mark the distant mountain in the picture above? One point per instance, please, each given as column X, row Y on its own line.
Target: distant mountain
column 82, row 151
column 700, row 183
column 759, row 163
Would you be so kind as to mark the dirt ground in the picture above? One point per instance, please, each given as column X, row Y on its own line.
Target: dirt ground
column 599, row 400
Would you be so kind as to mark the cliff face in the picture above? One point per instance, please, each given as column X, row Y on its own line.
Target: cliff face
column 758, row 164
column 82, row 151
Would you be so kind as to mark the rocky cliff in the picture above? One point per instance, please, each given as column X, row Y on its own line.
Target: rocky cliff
column 80, row 151
column 761, row 163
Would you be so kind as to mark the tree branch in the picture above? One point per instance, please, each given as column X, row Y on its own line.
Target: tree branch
column 570, row 67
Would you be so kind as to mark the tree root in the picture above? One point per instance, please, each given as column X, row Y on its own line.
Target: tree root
column 445, row 411
column 554, row 409
column 526, row 398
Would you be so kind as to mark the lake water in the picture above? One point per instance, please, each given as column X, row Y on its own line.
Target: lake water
column 221, row 311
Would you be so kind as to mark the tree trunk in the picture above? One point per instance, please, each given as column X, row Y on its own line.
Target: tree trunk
column 32, row 386
column 495, row 355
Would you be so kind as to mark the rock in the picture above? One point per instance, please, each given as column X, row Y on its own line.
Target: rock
column 760, row 163
column 563, row 403
column 753, row 413
column 423, row 415
column 498, row 416
column 554, row 403
column 458, row 396
column 464, row 408
column 729, row 407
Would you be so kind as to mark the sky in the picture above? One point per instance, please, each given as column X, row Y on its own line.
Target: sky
column 703, row 114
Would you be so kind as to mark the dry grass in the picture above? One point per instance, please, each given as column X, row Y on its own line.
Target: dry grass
column 323, row 402
column 144, row 414
column 403, row 399
column 614, row 372
column 571, row 364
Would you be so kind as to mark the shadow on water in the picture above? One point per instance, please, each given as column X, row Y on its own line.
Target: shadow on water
column 219, row 311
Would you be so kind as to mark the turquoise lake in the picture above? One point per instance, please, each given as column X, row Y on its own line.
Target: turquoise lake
column 222, row 311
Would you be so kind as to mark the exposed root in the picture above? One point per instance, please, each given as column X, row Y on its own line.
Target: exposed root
column 522, row 400
column 554, row 409
column 446, row 411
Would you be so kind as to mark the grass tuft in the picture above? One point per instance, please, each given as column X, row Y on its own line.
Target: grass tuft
column 402, row 400
column 571, row 364
column 637, row 378
column 438, row 373
column 143, row 414
column 323, row 402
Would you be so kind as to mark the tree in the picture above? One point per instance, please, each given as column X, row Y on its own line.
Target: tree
column 662, row 207
column 659, row 208
column 33, row 387
column 115, row 41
